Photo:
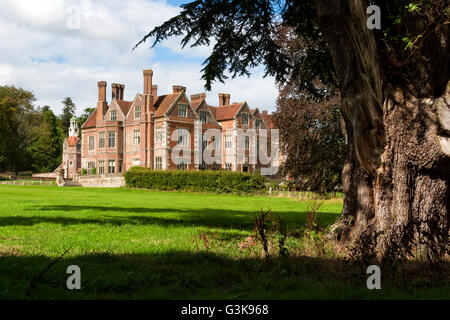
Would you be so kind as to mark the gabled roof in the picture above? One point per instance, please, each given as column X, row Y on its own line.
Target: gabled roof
column 163, row 103
column 268, row 120
column 91, row 122
column 124, row 106
column 227, row 112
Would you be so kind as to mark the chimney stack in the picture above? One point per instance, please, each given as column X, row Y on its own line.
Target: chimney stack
column 148, row 98
column 101, row 104
column 224, row 99
column 148, row 78
column 177, row 89
column 155, row 91
column 114, row 91
column 199, row 97
column 121, row 90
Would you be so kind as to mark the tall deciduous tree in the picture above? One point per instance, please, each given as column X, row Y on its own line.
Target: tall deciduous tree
column 16, row 108
column 394, row 85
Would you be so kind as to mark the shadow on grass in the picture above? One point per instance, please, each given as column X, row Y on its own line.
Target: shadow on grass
column 241, row 220
column 202, row 275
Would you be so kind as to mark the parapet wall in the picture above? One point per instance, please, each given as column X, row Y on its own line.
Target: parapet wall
column 102, row 180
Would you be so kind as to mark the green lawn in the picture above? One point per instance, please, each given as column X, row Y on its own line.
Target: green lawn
column 137, row 244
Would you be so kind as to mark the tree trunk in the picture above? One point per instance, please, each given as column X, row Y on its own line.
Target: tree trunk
column 396, row 178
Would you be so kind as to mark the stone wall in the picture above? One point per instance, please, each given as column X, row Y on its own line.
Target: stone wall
column 102, row 180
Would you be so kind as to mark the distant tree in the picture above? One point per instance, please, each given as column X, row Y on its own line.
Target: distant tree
column 46, row 148
column 311, row 139
column 68, row 112
column 16, row 109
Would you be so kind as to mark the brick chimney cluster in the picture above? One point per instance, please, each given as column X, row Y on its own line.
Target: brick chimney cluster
column 224, row 99
column 117, row 91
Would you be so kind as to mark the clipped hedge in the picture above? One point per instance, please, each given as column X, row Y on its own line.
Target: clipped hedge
column 198, row 181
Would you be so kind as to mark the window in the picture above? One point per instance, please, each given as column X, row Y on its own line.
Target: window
column 245, row 118
column 137, row 112
column 228, row 166
column 136, row 162
column 101, row 139
column 91, row 165
column 182, row 164
column 245, row 142
column 111, row 139
column 182, row 110
column 91, row 143
column 113, row 115
column 111, row 166
column 137, row 136
column 183, row 136
column 203, row 116
column 228, row 142
column 214, row 142
column 158, row 134
column 158, row 163
column 101, row 167
column 257, row 124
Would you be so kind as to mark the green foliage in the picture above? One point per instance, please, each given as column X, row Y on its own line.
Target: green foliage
column 68, row 112
column 94, row 171
column 83, row 171
column 200, row 181
column 16, row 119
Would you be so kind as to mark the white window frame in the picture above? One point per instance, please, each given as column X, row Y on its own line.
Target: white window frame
column 111, row 138
column 101, row 139
column 91, row 143
column 137, row 136
column 246, row 116
column 158, row 163
column 158, row 134
column 182, row 113
column 113, row 115
column 137, row 112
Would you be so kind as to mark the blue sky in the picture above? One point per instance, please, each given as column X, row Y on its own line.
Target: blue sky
column 60, row 48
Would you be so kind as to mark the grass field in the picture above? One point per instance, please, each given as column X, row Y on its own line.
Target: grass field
column 136, row 244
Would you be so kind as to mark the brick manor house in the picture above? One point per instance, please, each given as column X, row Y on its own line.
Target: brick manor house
column 146, row 131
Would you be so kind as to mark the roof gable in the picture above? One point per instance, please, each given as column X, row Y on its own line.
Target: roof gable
column 164, row 103
column 91, row 121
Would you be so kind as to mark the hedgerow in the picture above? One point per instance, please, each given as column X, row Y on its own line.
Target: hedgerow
column 197, row 181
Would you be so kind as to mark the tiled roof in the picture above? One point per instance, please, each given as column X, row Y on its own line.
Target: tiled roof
column 196, row 104
column 226, row 112
column 91, row 122
column 124, row 106
column 163, row 103
column 268, row 119
column 72, row 141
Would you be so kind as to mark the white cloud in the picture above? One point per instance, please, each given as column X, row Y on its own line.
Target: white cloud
column 42, row 54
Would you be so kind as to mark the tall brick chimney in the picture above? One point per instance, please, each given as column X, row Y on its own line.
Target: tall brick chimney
column 101, row 104
column 224, row 99
column 177, row 89
column 148, row 97
column 155, row 92
column 114, row 91
column 121, row 90
column 197, row 98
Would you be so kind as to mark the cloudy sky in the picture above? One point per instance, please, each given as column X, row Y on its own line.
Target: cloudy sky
column 47, row 49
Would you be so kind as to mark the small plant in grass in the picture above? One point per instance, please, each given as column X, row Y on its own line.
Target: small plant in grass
column 271, row 232
column 314, row 232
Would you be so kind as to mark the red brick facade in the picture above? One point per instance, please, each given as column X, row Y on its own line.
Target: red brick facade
column 149, row 130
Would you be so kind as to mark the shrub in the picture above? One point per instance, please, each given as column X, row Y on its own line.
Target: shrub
column 211, row 181
column 83, row 171
column 94, row 170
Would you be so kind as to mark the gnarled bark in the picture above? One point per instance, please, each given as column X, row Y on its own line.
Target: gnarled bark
column 396, row 178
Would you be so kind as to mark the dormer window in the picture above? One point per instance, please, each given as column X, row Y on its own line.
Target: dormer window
column 257, row 124
column 137, row 112
column 244, row 118
column 203, row 116
column 113, row 115
column 182, row 110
